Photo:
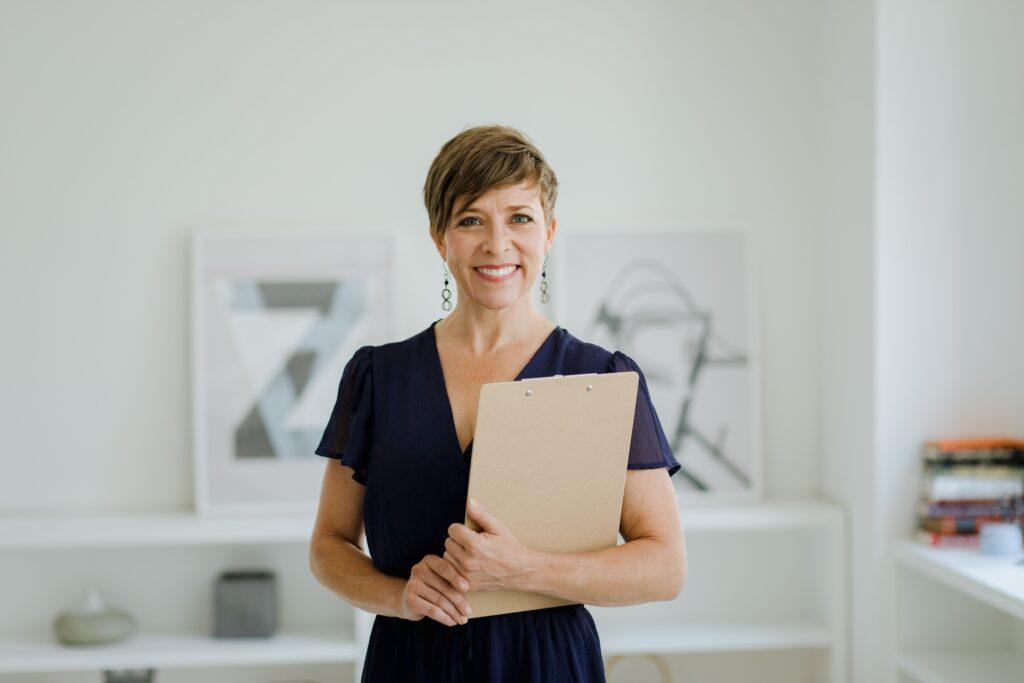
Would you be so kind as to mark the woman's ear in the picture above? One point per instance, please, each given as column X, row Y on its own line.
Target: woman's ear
column 442, row 250
column 552, row 227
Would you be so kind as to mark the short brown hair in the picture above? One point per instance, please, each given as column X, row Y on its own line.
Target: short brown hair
column 477, row 160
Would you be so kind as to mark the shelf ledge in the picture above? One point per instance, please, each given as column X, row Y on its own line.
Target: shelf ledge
column 996, row 581
column 624, row 638
column 141, row 529
column 999, row 666
column 169, row 650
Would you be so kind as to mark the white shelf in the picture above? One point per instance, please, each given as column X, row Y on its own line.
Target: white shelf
column 176, row 651
column 184, row 650
column 763, row 516
column 1000, row 666
column 148, row 529
column 186, row 528
column 996, row 581
column 680, row 632
column 624, row 638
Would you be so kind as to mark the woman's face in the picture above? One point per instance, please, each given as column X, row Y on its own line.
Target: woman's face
column 495, row 247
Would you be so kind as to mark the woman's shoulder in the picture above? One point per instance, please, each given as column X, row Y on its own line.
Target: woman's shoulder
column 582, row 356
column 409, row 343
column 395, row 353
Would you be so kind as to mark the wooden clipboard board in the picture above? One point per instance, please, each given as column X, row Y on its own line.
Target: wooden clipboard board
column 549, row 460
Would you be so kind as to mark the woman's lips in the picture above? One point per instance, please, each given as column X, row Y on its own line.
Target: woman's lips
column 500, row 278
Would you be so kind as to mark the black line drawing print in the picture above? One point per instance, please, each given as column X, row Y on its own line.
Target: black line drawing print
column 646, row 293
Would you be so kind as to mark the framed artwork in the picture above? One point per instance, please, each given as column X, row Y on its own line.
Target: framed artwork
column 275, row 317
column 681, row 304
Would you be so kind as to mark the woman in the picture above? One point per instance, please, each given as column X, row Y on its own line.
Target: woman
column 402, row 428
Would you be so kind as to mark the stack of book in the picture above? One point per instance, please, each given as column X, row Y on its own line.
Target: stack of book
column 966, row 484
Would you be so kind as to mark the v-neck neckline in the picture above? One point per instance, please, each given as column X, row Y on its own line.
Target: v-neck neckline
column 452, row 430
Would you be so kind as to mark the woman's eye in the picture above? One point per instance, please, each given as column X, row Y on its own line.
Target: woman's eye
column 465, row 222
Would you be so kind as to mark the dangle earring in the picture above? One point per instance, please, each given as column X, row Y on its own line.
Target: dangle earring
column 446, row 294
column 544, row 297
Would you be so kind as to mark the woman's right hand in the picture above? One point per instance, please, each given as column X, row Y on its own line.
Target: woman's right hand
column 435, row 589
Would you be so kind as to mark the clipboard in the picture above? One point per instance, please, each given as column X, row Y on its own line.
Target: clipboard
column 549, row 460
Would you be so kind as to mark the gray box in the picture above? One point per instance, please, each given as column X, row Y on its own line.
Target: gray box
column 245, row 605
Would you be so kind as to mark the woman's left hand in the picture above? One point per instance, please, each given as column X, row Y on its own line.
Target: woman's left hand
column 488, row 558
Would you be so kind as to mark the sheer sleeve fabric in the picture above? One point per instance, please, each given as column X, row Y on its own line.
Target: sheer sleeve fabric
column 347, row 436
column 649, row 447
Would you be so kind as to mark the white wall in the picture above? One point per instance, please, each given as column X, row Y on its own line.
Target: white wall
column 923, row 305
column 847, row 306
column 950, row 237
column 950, row 229
column 125, row 125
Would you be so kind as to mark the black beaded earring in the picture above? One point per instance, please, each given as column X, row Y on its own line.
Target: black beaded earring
column 446, row 294
column 544, row 297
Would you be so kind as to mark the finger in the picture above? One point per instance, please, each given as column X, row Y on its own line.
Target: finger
column 439, row 599
column 429, row 609
column 436, row 580
column 444, row 567
column 452, row 595
column 461, row 534
column 485, row 519
column 457, row 554
column 459, row 567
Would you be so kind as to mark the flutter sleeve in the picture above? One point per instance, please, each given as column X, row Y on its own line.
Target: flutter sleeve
column 348, row 435
column 648, row 448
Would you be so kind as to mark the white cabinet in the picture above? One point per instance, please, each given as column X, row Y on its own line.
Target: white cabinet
column 764, row 600
column 764, row 580
column 959, row 615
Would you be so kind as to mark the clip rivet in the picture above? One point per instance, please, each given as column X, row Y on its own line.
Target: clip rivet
column 590, row 387
column 529, row 392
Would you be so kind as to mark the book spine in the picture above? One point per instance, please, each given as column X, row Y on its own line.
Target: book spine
column 1007, row 458
column 986, row 471
column 951, row 487
column 963, row 508
column 948, row 540
column 973, row 444
column 957, row 525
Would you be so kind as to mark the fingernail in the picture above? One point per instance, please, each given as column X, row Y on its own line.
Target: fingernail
column 472, row 503
column 465, row 586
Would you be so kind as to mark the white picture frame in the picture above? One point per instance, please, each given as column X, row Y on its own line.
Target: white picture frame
column 307, row 298
column 719, row 441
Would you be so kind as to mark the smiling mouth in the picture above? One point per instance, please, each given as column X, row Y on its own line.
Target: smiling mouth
column 496, row 274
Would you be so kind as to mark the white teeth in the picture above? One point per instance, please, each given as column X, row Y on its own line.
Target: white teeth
column 497, row 273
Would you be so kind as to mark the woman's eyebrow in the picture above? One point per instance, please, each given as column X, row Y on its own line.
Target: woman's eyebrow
column 507, row 208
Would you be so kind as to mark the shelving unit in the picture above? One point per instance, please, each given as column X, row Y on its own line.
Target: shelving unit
column 960, row 615
column 794, row 602
column 761, row 578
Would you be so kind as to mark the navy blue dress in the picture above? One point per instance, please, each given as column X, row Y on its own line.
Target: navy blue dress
column 393, row 425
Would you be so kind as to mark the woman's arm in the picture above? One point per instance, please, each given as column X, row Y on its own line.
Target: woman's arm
column 336, row 558
column 650, row 566
column 336, row 555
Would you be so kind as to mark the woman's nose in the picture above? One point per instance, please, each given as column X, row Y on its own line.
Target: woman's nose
column 498, row 237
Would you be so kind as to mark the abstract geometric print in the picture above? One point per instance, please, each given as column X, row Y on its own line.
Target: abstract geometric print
column 285, row 334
